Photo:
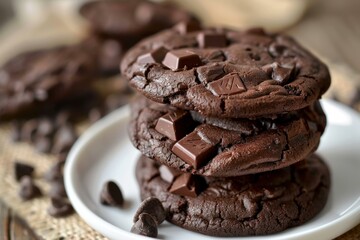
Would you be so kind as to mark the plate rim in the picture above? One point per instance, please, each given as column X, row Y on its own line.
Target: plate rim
column 351, row 218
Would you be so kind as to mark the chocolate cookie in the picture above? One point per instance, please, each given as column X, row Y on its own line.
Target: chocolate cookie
column 35, row 80
column 225, row 73
column 133, row 19
column 224, row 147
column 255, row 204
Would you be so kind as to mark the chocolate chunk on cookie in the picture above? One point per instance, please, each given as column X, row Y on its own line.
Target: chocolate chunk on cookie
column 226, row 73
column 224, row 147
column 255, row 204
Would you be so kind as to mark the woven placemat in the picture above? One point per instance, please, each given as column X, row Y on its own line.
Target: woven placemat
column 34, row 212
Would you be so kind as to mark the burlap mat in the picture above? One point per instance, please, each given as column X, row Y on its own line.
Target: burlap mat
column 34, row 212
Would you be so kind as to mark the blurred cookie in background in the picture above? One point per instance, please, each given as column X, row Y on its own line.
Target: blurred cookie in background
column 117, row 25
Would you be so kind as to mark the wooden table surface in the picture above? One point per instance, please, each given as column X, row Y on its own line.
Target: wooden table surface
column 331, row 28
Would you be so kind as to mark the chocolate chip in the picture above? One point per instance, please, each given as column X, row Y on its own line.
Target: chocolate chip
column 64, row 138
column 208, row 40
column 181, row 59
column 55, row 172
column 228, row 85
column 168, row 174
column 283, row 73
column 60, row 207
column 111, row 195
column 155, row 56
column 194, row 150
column 175, row 125
column 57, row 189
column 145, row 226
column 151, row 206
column 28, row 189
column 188, row 26
column 186, row 185
column 22, row 169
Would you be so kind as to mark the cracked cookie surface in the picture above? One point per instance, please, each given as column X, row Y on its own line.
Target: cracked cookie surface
column 242, row 74
column 255, row 204
column 243, row 146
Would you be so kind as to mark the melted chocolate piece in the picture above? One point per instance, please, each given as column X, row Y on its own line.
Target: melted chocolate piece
column 181, row 59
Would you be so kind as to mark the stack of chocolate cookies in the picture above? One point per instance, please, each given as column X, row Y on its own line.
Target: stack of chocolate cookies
column 228, row 127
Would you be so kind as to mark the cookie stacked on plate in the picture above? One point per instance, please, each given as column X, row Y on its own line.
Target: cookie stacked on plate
column 228, row 127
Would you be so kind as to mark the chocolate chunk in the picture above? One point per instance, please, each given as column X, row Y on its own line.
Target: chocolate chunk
column 22, row 169
column 168, row 174
column 145, row 226
column 208, row 40
column 57, row 189
column 155, row 56
column 111, row 195
column 186, row 27
column 60, row 207
column 28, row 189
column 175, row 125
column 64, row 139
column 151, row 206
column 55, row 173
column 181, row 59
column 283, row 73
column 185, row 185
column 194, row 150
column 228, row 85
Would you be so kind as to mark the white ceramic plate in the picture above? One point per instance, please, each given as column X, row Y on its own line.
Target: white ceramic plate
column 104, row 152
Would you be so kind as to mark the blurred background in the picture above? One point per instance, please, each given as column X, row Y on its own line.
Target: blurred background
column 329, row 27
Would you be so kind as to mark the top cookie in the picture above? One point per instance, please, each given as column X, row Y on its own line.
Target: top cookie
column 225, row 73
column 132, row 19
